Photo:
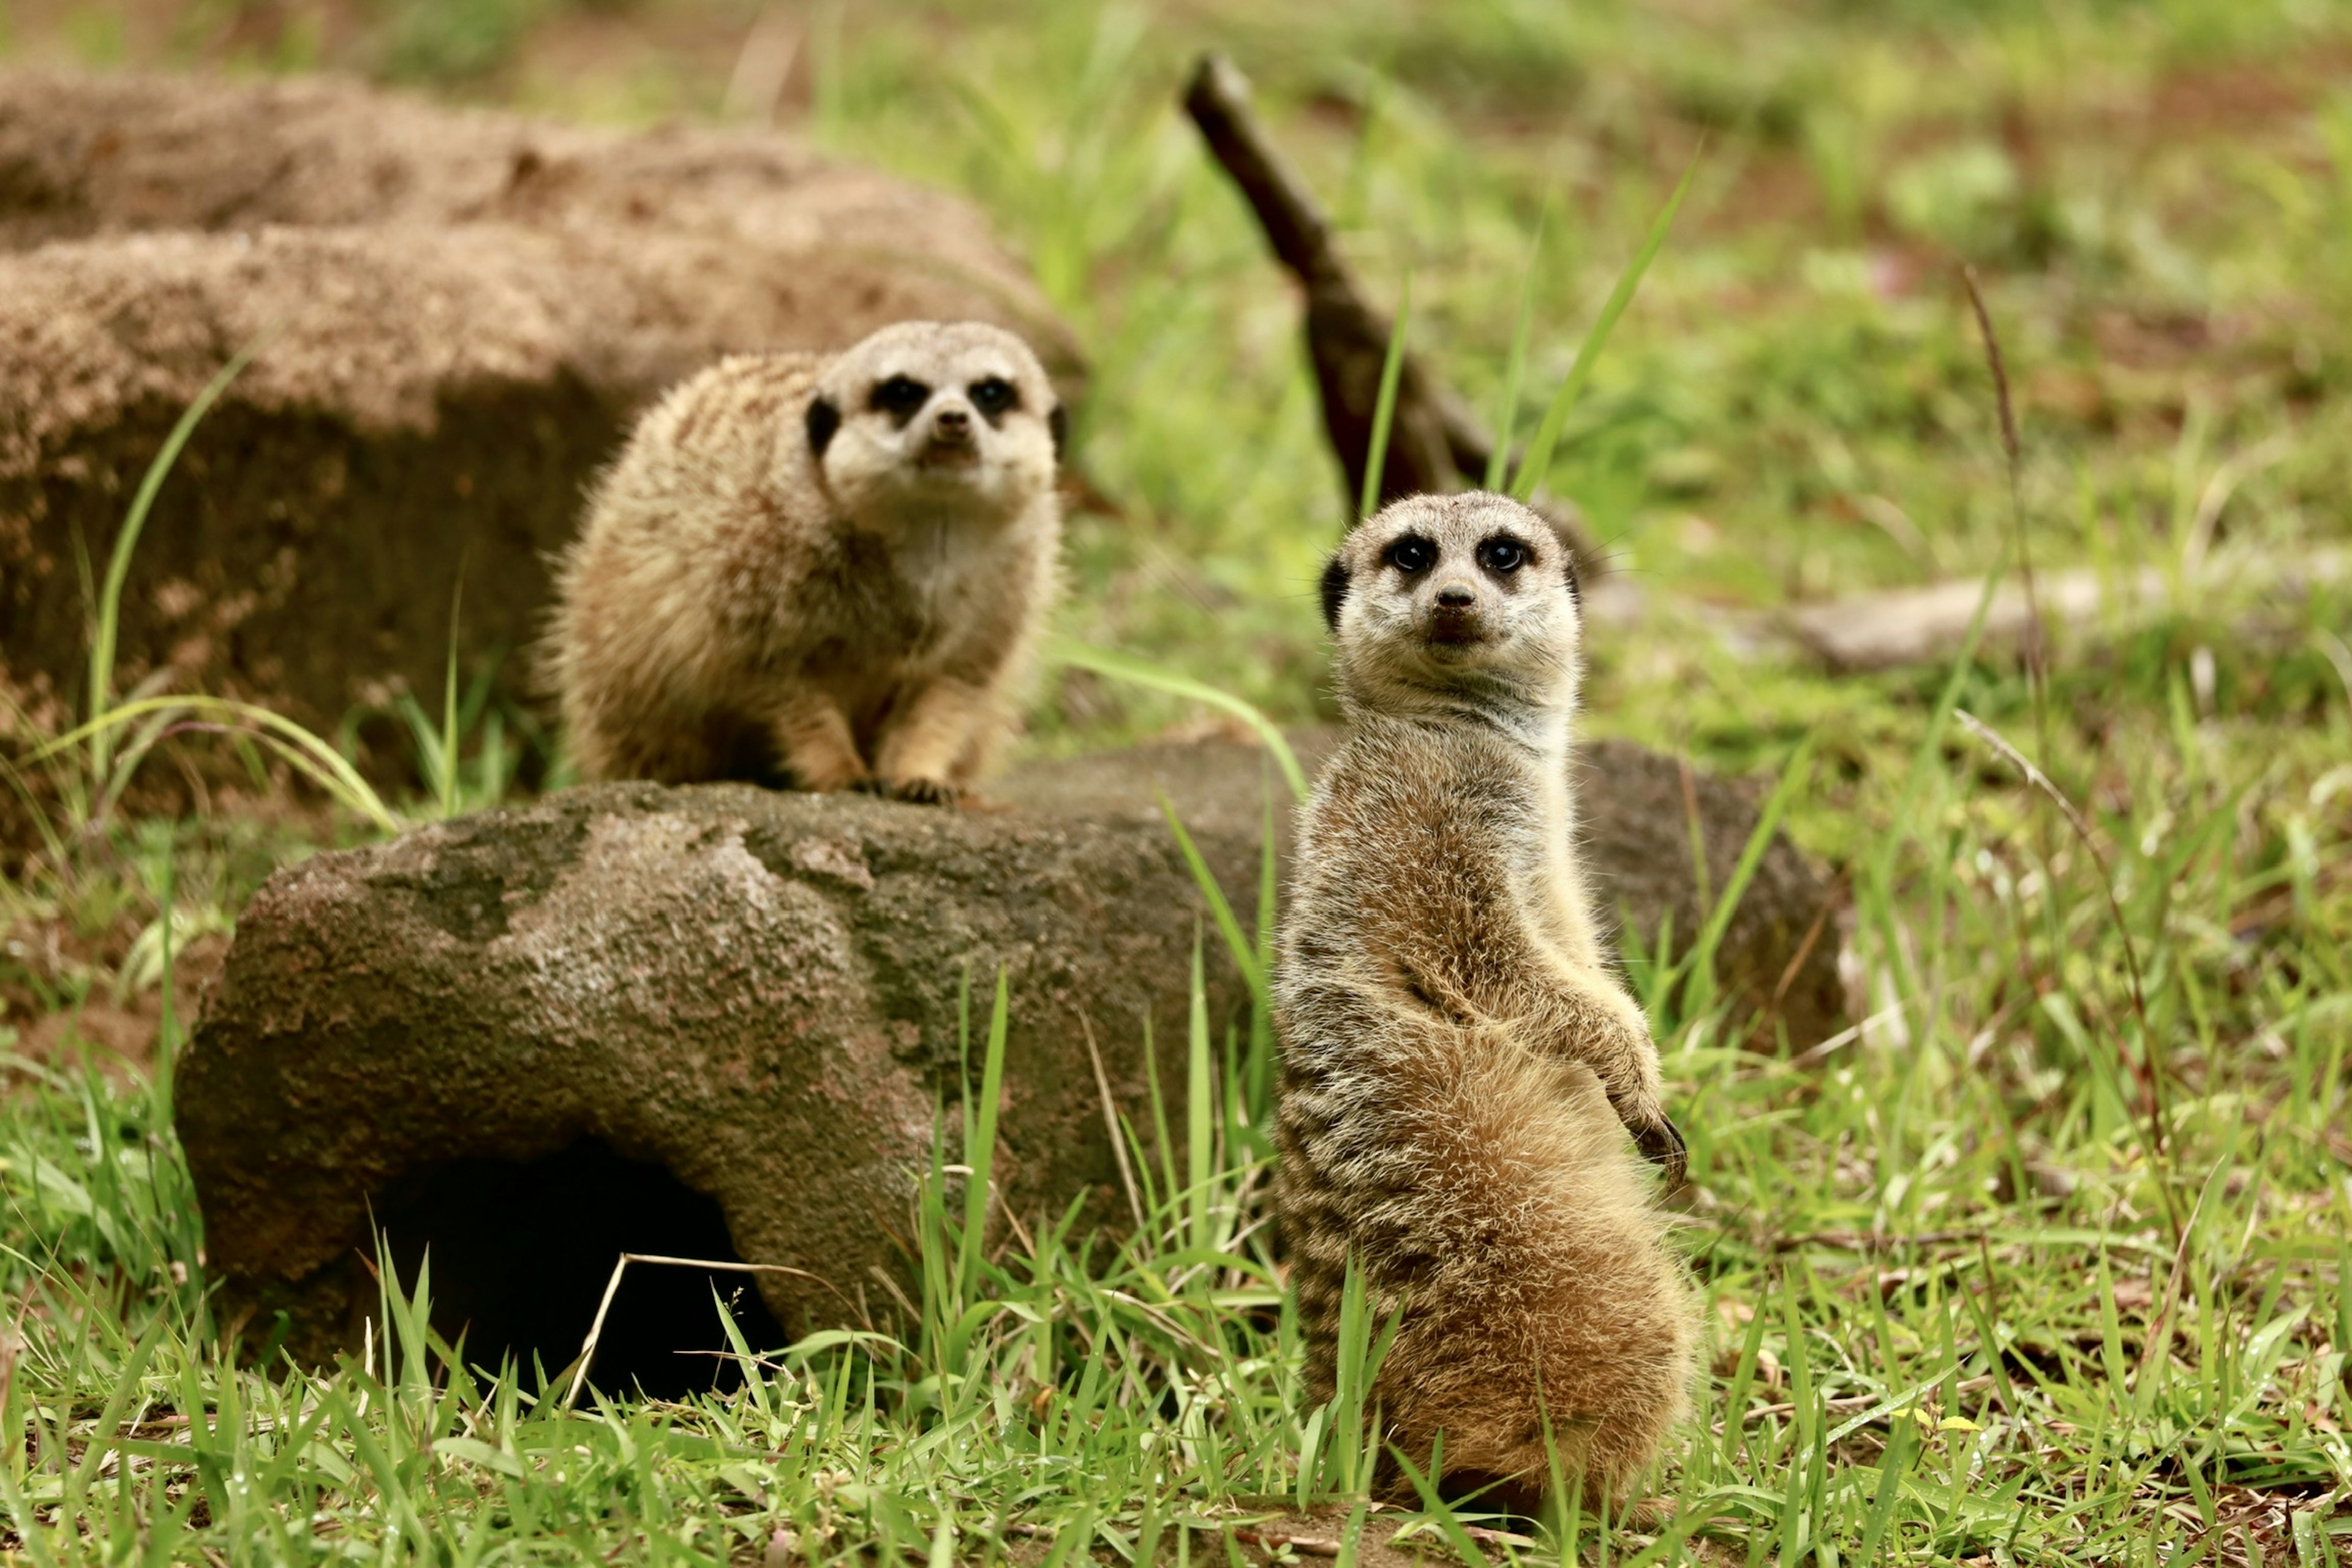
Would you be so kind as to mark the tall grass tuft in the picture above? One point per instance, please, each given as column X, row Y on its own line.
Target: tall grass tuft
column 118, row 735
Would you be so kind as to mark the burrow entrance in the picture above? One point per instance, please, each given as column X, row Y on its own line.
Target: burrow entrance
column 522, row 1251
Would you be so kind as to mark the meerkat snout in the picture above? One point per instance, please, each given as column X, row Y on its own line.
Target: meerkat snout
column 951, row 427
column 1454, row 615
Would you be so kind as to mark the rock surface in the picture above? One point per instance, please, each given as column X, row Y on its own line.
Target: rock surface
column 459, row 310
column 1636, row 827
column 755, row 995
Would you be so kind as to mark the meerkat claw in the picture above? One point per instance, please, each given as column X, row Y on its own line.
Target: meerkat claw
column 1660, row 1144
column 924, row 792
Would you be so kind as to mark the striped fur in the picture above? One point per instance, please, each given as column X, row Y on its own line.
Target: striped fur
column 1460, row 1068
column 784, row 579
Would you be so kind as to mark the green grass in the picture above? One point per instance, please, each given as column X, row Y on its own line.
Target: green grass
column 2048, row 1260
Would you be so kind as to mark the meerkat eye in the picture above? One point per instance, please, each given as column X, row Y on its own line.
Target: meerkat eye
column 1502, row 555
column 901, row 395
column 1413, row 554
column 993, row 395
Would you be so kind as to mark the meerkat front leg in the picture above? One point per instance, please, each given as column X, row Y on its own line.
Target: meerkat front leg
column 1471, row 958
column 919, row 755
column 814, row 743
column 1592, row 1022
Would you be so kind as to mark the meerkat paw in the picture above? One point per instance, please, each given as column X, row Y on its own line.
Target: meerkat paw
column 926, row 792
column 919, row 791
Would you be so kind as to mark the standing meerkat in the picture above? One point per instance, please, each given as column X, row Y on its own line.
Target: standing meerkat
column 821, row 573
column 1460, row 1068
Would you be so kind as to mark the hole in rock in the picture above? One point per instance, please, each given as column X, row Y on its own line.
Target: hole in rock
column 522, row 1251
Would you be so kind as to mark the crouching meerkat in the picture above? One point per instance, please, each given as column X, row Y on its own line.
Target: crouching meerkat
column 826, row 574
column 1459, row 1067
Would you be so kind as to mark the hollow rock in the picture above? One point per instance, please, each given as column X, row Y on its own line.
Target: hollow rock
column 456, row 312
column 755, row 997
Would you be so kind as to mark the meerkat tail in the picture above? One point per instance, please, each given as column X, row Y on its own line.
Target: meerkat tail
column 1552, row 1305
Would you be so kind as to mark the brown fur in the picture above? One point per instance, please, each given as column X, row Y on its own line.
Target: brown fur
column 742, row 603
column 1459, row 1066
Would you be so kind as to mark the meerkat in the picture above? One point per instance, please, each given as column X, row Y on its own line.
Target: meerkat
column 820, row 574
column 1460, row 1069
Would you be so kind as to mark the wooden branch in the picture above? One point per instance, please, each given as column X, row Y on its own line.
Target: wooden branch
column 1436, row 441
column 1217, row 98
column 1928, row 624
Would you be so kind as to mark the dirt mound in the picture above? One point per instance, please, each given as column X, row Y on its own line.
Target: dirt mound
column 458, row 310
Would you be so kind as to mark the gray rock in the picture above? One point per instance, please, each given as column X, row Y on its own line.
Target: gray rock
column 532, row 1037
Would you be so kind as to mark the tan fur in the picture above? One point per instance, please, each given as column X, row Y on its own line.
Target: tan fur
column 1459, row 1065
column 740, row 606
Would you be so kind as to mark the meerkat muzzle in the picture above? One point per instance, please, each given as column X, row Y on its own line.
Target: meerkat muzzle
column 951, row 446
column 1454, row 618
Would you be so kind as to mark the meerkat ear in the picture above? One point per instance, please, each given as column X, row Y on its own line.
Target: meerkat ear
column 824, row 419
column 1335, row 590
column 1567, row 563
column 1057, row 423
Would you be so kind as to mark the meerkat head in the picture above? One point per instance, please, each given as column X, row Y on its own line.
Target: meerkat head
column 1442, row 598
column 926, row 414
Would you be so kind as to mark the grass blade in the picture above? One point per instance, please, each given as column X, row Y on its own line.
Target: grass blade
column 979, row 1143
column 446, row 782
column 325, row 766
column 1118, row 666
column 1200, row 1106
column 1384, row 410
column 108, row 622
column 1515, row 369
column 1538, row 460
column 1221, row 909
column 1797, row 773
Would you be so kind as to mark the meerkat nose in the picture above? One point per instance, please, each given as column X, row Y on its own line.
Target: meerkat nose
column 952, row 422
column 1455, row 596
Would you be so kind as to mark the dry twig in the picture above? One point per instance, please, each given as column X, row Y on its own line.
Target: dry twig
column 1435, row 440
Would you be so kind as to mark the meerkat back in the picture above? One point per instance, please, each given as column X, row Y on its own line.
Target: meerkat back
column 1460, row 1070
column 643, row 663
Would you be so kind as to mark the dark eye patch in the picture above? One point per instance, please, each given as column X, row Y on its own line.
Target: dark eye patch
column 1334, row 590
column 992, row 395
column 1502, row 554
column 900, row 396
column 1412, row 555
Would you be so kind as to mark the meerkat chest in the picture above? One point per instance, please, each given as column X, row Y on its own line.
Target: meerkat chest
column 879, row 601
column 941, row 568
column 1415, row 827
